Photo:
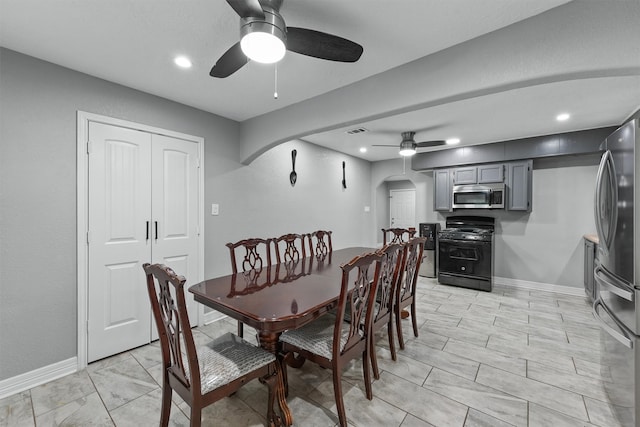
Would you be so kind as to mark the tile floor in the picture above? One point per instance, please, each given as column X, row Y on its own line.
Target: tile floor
column 509, row 357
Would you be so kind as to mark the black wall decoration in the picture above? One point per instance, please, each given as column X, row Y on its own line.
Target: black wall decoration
column 344, row 181
column 293, row 176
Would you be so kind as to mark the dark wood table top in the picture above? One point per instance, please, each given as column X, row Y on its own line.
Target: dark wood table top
column 279, row 297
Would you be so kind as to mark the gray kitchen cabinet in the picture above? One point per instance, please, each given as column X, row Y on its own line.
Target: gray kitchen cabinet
column 491, row 173
column 466, row 175
column 590, row 251
column 442, row 190
column 519, row 184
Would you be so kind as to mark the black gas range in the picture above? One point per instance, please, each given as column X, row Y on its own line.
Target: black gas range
column 466, row 252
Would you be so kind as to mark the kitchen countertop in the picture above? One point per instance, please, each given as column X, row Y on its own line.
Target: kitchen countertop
column 593, row 238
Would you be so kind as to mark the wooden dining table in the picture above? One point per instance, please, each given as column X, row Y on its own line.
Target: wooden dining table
column 278, row 298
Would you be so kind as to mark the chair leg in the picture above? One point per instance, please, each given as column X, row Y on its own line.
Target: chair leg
column 374, row 357
column 165, row 412
column 392, row 343
column 414, row 319
column 399, row 330
column 367, row 374
column 240, row 329
column 196, row 416
column 337, row 391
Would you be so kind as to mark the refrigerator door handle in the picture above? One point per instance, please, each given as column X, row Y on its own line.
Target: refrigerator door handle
column 606, row 164
column 613, row 284
column 621, row 336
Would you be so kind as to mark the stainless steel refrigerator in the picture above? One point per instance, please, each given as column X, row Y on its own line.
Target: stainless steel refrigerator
column 617, row 270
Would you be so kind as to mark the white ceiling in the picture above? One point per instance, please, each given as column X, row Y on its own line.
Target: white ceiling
column 133, row 43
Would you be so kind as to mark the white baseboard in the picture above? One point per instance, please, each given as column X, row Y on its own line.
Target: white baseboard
column 212, row 316
column 37, row 377
column 525, row 284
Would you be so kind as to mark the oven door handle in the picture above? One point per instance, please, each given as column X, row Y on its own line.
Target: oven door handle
column 613, row 284
column 623, row 336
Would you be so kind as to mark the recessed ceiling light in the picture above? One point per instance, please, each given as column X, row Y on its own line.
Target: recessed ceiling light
column 182, row 61
column 363, row 149
column 562, row 117
column 451, row 141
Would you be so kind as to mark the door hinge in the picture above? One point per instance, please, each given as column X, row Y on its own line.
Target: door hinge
column 198, row 161
column 88, row 237
column 89, row 147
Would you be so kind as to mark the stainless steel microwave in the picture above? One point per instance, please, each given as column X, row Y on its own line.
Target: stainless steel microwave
column 478, row 196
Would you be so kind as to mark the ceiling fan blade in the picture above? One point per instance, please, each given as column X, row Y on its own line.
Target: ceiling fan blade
column 430, row 143
column 247, row 8
column 322, row 45
column 384, row 145
column 230, row 62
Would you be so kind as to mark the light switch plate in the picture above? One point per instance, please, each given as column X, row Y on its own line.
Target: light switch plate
column 215, row 209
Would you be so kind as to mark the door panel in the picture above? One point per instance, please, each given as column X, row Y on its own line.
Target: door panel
column 119, row 208
column 402, row 208
column 175, row 208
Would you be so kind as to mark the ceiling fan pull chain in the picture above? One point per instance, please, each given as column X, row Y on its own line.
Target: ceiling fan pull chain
column 275, row 90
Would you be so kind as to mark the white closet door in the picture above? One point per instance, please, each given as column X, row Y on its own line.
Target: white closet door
column 119, row 209
column 175, row 210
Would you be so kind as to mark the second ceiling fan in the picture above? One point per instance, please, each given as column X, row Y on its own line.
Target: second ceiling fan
column 260, row 21
column 408, row 145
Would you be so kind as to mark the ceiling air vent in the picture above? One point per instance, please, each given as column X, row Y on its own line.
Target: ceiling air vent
column 356, row 130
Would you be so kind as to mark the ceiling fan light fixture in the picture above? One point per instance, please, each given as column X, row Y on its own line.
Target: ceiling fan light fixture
column 407, row 148
column 264, row 41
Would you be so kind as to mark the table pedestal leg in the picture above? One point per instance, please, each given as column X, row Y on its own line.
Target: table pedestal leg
column 269, row 341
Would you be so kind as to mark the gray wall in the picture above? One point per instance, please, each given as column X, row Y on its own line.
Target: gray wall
column 38, row 103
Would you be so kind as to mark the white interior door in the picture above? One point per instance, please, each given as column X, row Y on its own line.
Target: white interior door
column 143, row 207
column 402, row 208
column 175, row 209
column 118, row 307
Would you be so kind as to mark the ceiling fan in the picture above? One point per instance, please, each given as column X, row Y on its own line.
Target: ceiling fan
column 260, row 21
column 408, row 145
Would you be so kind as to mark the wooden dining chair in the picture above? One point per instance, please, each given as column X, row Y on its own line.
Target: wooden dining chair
column 203, row 374
column 255, row 258
column 290, row 248
column 405, row 295
column 320, row 243
column 398, row 235
column 332, row 342
column 390, row 275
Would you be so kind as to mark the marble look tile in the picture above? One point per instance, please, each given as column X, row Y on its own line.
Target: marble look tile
column 420, row 402
column 121, row 383
column 446, row 361
column 479, row 419
column 148, row 355
column 425, row 337
column 543, row 394
column 541, row 416
column 592, row 370
column 566, row 380
column 16, row 410
column 493, row 331
column 84, row 411
column 411, row 421
column 487, row 356
column 554, row 334
column 603, row 414
column 410, row 369
column 460, row 334
column 60, row 392
column 230, row 411
column 590, row 354
column 491, row 401
column 547, row 356
column 145, row 411
column 454, row 309
column 442, row 319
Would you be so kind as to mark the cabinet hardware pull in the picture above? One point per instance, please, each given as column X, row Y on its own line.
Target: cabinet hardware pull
column 156, row 230
column 147, row 230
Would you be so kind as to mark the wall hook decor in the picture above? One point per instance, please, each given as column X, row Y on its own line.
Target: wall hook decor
column 344, row 181
column 293, row 176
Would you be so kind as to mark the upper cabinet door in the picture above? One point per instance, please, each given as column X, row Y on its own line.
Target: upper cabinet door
column 442, row 190
column 519, row 185
column 466, row 175
column 488, row 174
